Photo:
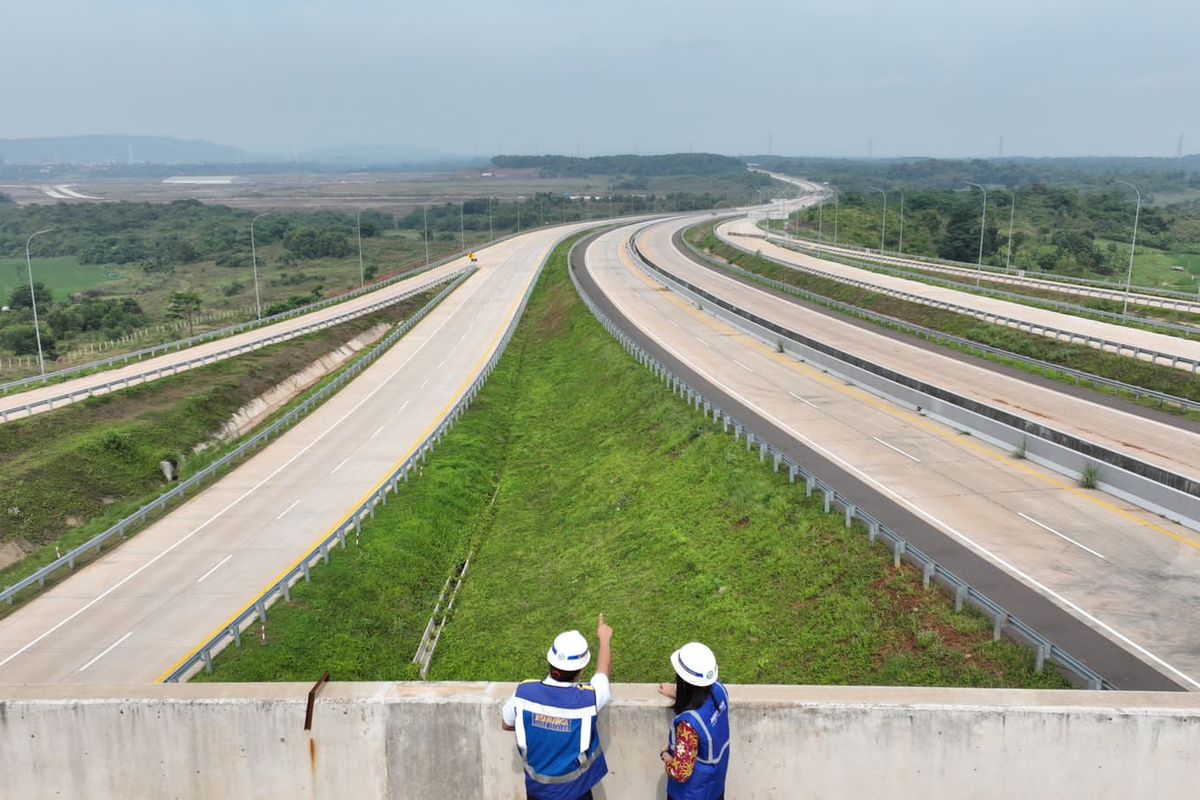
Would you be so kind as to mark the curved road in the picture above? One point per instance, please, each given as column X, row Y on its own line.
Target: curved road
column 1128, row 575
column 140, row 609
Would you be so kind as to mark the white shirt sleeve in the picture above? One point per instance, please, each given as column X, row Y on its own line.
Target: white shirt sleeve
column 602, row 688
column 509, row 711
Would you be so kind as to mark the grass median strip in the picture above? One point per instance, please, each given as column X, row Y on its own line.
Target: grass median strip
column 1134, row 372
column 582, row 486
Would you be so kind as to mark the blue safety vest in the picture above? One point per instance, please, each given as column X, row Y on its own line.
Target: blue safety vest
column 557, row 738
column 711, row 723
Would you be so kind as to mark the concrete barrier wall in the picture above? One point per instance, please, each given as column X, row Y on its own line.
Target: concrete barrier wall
column 432, row 740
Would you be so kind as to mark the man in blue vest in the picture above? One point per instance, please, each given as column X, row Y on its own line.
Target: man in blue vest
column 555, row 720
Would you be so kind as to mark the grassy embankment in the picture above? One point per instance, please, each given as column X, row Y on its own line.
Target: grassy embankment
column 69, row 474
column 583, row 486
column 1075, row 356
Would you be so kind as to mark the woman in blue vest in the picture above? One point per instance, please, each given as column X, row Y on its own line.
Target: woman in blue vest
column 555, row 720
column 697, row 757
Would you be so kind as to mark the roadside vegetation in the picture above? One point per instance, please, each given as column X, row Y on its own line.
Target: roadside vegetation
column 1075, row 356
column 579, row 484
column 68, row 474
column 1056, row 230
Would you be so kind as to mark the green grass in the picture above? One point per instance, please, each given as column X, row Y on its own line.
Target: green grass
column 64, row 275
column 1080, row 357
column 583, row 486
column 69, row 474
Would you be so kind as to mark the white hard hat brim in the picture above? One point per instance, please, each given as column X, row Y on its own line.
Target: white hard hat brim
column 691, row 676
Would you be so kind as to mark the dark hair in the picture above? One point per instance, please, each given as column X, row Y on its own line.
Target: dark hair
column 565, row 676
column 689, row 697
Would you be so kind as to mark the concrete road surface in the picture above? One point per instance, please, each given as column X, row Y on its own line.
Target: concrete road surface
column 735, row 232
column 1155, row 441
column 1126, row 573
column 12, row 405
column 142, row 608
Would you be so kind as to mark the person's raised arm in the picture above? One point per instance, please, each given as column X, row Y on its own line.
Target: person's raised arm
column 604, row 660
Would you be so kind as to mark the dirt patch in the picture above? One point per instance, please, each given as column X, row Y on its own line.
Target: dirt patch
column 12, row 552
column 554, row 319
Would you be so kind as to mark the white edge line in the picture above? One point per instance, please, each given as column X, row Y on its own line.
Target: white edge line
column 1060, row 535
column 897, row 449
column 226, row 558
column 983, row 551
column 106, row 651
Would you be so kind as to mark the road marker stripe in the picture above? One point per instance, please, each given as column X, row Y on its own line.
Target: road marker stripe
column 897, row 449
column 340, row 465
column 743, row 366
column 106, row 651
column 1061, row 536
column 802, row 400
column 289, row 508
column 226, row 558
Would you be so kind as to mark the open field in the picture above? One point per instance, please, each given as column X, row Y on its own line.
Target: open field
column 63, row 275
column 582, row 486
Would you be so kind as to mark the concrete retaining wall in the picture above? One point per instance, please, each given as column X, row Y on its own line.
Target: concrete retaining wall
column 413, row 740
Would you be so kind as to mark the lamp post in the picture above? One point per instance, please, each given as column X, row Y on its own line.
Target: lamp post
column 425, row 225
column 37, row 330
column 820, row 222
column 491, row 231
column 462, row 230
column 982, row 228
column 1132, row 246
column 254, row 263
column 1012, row 210
column 362, row 275
column 883, row 224
column 900, row 249
column 836, row 203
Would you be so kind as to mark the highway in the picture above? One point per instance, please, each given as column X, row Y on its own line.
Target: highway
column 13, row 406
column 735, row 233
column 964, row 273
column 1156, row 440
column 1129, row 576
column 144, row 607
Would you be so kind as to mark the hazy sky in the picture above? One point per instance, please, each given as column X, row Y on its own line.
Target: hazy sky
column 920, row 77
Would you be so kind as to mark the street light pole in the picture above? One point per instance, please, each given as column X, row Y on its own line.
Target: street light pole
column 37, row 330
column 491, row 231
column 820, row 222
column 982, row 229
column 883, row 224
column 362, row 275
column 254, row 264
column 836, row 205
column 1132, row 246
column 425, row 223
column 1012, row 210
column 901, row 247
column 462, row 230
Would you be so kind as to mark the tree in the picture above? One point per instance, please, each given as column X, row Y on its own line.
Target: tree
column 22, row 340
column 20, row 296
column 185, row 305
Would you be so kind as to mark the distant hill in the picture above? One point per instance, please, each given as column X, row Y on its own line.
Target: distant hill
column 105, row 149
column 638, row 166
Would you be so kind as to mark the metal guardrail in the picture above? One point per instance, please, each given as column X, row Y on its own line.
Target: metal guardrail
column 1049, row 331
column 1116, row 290
column 230, row 330
column 212, row 358
column 202, row 657
column 138, row 518
column 930, row 334
column 931, row 571
column 898, row 269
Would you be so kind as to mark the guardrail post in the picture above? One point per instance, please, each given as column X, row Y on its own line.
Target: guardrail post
column 960, row 597
column 850, row 512
column 808, row 485
column 307, row 571
column 749, row 441
column 898, row 551
column 828, row 500
column 762, row 451
column 207, row 656
column 325, row 553
column 287, row 590
column 1042, row 653
column 235, row 631
column 927, row 574
column 791, row 473
column 998, row 625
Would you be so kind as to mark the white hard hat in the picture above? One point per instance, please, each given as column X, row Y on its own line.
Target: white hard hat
column 569, row 652
column 695, row 663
